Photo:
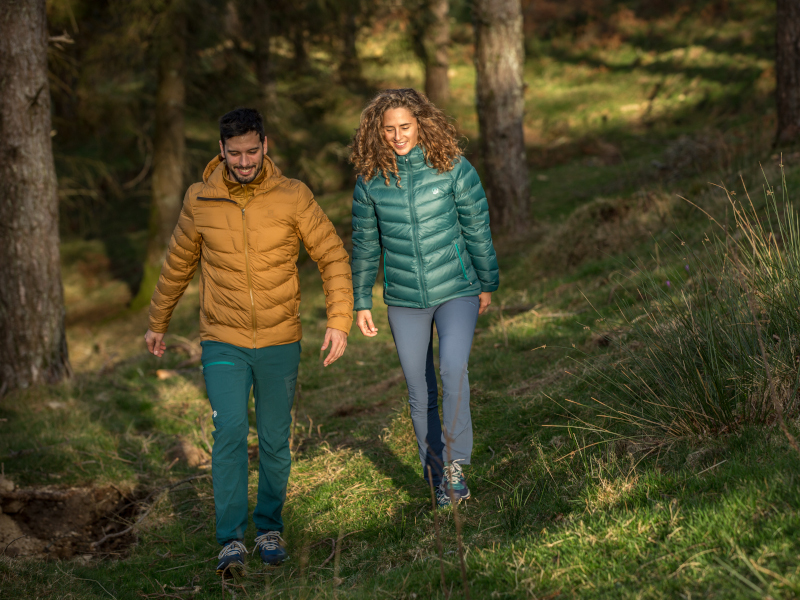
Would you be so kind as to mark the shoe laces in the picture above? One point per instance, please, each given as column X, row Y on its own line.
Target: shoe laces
column 234, row 547
column 453, row 472
column 268, row 541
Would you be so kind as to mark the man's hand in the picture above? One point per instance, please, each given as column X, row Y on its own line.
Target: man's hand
column 485, row 299
column 155, row 343
column 338, row 342
column 365, row 324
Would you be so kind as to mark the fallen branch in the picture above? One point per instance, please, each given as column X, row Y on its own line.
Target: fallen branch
column 16, row 453
column 332, row 554
column 334, row 546
column 12, row 541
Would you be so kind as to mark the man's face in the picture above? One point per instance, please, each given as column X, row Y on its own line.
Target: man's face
column 244, row 155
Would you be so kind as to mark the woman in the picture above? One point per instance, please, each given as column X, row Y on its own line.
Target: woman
column 420, row 206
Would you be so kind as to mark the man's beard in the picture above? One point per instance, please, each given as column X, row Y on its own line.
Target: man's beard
column 256, row 172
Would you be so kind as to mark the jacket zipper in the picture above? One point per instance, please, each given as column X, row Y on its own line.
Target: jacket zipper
column 249, row 281
column 463, row 268
column 385, row 280
column 414, row 233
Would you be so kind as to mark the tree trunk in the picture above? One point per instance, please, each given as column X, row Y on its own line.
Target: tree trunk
column 787, row 71
column 262, row 29
column 436, row 43
column 33, row 347
column 169, row 149
column 350, row 65
column 299, row 45
column 499, row 56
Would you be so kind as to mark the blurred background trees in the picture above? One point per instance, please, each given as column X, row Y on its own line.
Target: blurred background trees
column 137, row 87
column 430, row 26
column 169, row 40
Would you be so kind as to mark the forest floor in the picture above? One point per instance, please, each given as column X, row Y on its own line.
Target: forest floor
column 124, row 445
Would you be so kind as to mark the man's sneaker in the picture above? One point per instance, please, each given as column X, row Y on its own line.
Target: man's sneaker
column 271, row 546
column 454, row 483
column 231, row 558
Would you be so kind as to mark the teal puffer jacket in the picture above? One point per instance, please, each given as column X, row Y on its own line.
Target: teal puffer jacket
column 432, row 233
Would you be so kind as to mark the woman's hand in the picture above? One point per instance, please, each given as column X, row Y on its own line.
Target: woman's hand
column 365, row 324
column 485, row 299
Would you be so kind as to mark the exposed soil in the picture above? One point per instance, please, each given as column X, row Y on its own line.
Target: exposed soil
column 62, row 522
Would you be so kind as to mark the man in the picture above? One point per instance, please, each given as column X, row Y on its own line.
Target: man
column 243, row 223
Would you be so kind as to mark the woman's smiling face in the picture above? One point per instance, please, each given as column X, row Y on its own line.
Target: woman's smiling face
column 400, row 129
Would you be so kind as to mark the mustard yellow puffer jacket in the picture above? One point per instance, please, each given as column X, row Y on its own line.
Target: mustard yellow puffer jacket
column 247, row 239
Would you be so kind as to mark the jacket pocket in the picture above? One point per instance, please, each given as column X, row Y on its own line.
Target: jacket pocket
column 206, row 301
column 218, row 362
column 463, row 268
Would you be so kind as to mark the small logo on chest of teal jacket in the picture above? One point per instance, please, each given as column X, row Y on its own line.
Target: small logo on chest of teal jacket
column 435, row 191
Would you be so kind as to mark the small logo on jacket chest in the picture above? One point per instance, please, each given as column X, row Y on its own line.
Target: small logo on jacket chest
column 435, row 191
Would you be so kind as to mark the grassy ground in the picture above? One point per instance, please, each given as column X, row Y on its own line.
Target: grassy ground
column 619, row 123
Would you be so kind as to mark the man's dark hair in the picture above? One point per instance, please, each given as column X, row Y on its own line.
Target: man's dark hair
column 240, row 122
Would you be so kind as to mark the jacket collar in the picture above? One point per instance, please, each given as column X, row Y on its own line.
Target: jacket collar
column 414, row 159
column 216, row 181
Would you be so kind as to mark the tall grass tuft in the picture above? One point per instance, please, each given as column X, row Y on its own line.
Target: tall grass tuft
column 517, row 502
column 718, row 344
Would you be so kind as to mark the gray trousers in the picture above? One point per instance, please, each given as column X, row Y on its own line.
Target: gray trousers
column 412, row 329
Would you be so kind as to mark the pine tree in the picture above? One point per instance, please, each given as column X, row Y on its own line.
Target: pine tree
column 499, row 58
column 33, row 346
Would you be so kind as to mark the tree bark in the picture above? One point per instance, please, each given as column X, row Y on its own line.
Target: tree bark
column 436, row 42
column 499, row 57
column 787, row 71
column 169, row 148
column 33, row 346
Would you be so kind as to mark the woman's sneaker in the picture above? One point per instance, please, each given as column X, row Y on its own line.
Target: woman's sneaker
column 442, row 498
column 271, row 546
column 231, row 558
column 453, row 486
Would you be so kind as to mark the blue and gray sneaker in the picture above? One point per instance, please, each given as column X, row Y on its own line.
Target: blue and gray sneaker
column 231, row 558
column 453, row 486
column 271, row 546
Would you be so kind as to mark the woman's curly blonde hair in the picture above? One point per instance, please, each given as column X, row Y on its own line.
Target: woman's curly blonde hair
column 370, row 152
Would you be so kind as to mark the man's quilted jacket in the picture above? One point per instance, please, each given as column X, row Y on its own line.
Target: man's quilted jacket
column 246, row 239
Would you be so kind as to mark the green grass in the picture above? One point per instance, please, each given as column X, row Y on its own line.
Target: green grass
column 657, row 517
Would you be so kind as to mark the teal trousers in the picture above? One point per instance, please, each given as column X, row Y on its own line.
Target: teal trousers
column 230, row 372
